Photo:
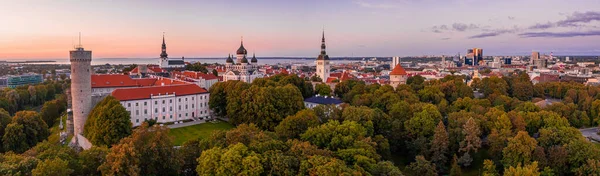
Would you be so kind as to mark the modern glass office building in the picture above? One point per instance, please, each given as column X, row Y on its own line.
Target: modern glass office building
column 19, row 80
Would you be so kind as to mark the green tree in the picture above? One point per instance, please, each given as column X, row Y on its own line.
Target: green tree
column 423, row 122
column 422, row 167
column 323, row 89
column 439, row 146
column 519, row 150
column 489, row 168
column 52, row 167
column 264, row 106
column 148, row 151
column 49, row 112
column 455, row 169
column 91, row 160
column 527, row 170
column 107, row 123
column 5, row 119
column 34, row 127
column 333, row 135
column 189, row 153
column 235, row 160
column 591, row 167
column 292, row 126
column 14, row 138
column 197, row 67
column 15, row 164
column 416, row 82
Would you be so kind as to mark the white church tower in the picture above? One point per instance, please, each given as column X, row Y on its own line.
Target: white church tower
column 80, row 86
column 323, row 67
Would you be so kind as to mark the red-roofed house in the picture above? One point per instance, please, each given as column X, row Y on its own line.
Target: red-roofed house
column 173, row 103
column 398, row 76
column 201, row 79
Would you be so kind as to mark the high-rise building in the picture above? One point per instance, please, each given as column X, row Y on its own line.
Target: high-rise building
column 534, row 56
column 323, row 67
column 395, row 61
column 81, row 86
column 477, row 55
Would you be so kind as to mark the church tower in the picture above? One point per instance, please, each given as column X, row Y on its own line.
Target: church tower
column 81, row 86
column 164, row 57
column 323, row 67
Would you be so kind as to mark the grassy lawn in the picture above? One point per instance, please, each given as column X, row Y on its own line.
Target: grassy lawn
column 199, row 131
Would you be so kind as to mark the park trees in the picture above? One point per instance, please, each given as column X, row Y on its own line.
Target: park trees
column 292, row 126
column 519, row 150
column 422, row 167
column 107, row 123
column 148, row 151
column 264, row 106
column 27, row 125
column 234, row 160
column 52, row 167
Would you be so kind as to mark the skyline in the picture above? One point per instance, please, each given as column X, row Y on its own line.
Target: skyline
column 193, row 29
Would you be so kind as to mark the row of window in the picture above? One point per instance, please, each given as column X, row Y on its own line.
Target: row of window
column 163, row 101
column 137, row 112
column 171, row 116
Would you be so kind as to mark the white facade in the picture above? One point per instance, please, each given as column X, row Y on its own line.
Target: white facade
column 168, row 108
column 323, row 69
column 80, row 87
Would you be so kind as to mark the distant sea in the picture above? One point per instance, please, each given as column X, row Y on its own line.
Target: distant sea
column 128, row 61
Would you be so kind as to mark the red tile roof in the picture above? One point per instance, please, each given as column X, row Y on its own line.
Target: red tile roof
column 398, row 70
column 168, row 81
column 198, row 75
column 99, row 81
column 146, row 92
column 331, row 79
column 145, row 81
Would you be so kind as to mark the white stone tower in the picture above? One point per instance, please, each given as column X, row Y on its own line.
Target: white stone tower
column 323, row 62
column 81, row 86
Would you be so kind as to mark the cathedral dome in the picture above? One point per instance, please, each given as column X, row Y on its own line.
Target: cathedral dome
column 244, row 60
column 242, row 50
column 229, row 60
column 253, row 60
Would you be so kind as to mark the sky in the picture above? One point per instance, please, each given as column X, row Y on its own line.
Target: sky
column 292, row 28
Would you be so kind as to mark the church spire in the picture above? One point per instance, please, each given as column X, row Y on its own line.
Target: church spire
column 323, row 44
column 163, row 53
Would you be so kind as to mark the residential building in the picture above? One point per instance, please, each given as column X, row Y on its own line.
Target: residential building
column 321, row 100
column 165, row 104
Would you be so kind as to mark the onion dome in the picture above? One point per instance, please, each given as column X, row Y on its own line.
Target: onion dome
column 229, row 60
column 244, row 60
column 253, row 60
column 242, row 50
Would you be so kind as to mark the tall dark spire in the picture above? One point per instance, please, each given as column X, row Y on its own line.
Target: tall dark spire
column 323, row 44
column 163, row 53
column 323, row 55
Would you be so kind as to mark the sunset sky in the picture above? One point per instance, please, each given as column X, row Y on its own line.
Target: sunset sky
column 133, row 28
